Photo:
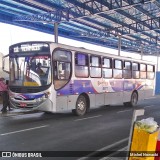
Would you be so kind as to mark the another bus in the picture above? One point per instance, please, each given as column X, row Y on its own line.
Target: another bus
column 74, row 79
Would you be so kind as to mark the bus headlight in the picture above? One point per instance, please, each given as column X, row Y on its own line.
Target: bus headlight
column 38, row 100
column 43, row 98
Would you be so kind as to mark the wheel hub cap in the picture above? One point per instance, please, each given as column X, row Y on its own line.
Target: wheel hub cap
column 81, row 105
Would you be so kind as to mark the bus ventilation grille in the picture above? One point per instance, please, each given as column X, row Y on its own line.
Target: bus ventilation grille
column 25, row 90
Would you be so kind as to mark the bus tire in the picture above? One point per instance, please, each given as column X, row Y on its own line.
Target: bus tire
column 81, row 106
column 134, row 100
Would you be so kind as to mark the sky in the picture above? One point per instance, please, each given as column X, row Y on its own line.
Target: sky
column 10, row 34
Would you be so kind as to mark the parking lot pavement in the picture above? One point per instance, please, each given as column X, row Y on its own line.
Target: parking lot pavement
column 8, row 113
column 14, row 112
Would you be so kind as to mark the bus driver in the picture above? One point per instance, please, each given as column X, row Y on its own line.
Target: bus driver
column 39, row 71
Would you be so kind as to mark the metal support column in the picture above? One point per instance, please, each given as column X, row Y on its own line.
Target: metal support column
column 141, row 51
column 56, row 32
column 157, row 61
column 119, row 45
column 157, row 76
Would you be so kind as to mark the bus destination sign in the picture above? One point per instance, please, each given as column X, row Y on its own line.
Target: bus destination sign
column 30, row 47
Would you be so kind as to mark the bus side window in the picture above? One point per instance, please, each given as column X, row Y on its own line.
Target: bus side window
column 135, row 70
column 81, row 65
column 143, row 73
column 150, row 71
column 61, row 67
column 127, row 70
column 107, row 67
column 95, row 66
column 63, row 70
column 117, row 71
column 55, row 70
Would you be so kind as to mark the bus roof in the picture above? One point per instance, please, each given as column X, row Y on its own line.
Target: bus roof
column 84, row 50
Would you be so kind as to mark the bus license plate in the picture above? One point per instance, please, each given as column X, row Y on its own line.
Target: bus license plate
column 23, row 104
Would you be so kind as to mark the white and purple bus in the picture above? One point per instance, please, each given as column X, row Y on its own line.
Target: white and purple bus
column 74, row 79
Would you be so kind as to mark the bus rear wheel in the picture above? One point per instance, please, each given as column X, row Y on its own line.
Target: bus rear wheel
column 134, row 100
column 81, row 106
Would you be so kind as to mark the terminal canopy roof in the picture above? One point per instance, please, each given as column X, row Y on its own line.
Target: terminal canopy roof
column 101, row 22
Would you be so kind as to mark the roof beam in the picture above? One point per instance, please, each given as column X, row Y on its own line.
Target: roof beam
column 11, row 8
column 83, row 9
column 126, row 26
column 36, row 4
column 140, row 27
column 64, row 15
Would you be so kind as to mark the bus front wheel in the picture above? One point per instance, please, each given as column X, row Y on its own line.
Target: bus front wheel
column 81, row 106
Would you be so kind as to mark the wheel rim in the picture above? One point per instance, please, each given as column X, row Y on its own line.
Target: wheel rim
column 81, row 106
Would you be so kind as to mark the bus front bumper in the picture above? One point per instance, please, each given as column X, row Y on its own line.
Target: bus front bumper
column 43, row 105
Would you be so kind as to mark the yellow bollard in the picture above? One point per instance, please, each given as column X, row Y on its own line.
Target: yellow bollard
column 143, row 141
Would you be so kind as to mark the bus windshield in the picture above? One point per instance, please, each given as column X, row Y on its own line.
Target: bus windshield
column 30, row 70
